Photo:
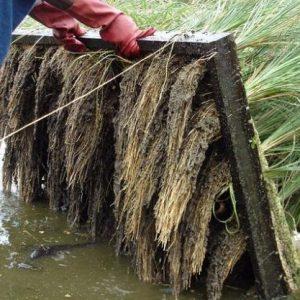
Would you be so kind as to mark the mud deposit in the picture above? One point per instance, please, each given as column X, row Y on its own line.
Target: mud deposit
column 139, row 163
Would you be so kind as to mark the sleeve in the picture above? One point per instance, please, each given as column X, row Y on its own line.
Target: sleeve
column 12, row 13
column 65, row 28
column 115, row 27
column 6, row 25
column 61, row 4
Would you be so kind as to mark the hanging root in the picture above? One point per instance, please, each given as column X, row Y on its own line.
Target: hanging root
column 193, row 232
column 189, row 135
column 20, row 155
column 7, row 76
column 45, row 94
column 142, row 143
column 226, row 251
column 164, row 194
column 130, row 89
column 61, row 70
column 153, row 139
column 150, row 260
column 89, row 143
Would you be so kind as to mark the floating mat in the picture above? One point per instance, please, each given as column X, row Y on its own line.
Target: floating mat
column 139, row 160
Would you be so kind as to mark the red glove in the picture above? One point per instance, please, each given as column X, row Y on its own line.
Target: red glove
column 65, row 28
column 117, row 28
column 124, row 33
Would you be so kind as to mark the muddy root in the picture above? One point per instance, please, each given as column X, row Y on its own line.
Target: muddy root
column 89, row 144
column 139, row 161
column 143, row 143
column 7, row 77
column 226, row 252
column 193, row 232
column 63, row 77
column 20, row 155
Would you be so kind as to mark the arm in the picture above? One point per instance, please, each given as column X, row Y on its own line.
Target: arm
column 12, row 12
column 116, row 27
column 65, row 28
column 6, row 27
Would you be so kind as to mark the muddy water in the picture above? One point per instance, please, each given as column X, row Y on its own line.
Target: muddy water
column 90, row 273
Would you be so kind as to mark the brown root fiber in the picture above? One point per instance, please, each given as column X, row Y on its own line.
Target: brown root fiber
column 184, row 156
column 138, row 161
column 60, row 66
column 142, row 122
column 192, row 235
column 225, row 253
column 89, row 140
column 7, row 76
column 20, row 155
column 184, row 161
column 162, row 207
column 146, row 135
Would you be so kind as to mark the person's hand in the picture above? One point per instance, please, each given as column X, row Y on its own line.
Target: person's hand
column 124, row 33
column 116, row 27
column 65, row 28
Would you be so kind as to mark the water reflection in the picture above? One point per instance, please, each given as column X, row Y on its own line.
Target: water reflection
column 4, row 235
